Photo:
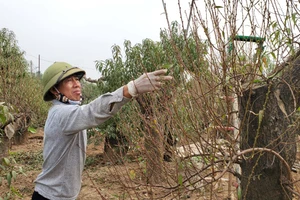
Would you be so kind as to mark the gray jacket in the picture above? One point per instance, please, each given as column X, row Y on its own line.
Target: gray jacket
column 65, row 142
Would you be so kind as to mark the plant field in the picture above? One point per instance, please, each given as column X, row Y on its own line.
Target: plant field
column 101, row 179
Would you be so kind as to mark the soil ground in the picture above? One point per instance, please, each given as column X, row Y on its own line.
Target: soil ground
column 98, row 181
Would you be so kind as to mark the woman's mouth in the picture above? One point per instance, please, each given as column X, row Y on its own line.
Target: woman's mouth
column 77, row 92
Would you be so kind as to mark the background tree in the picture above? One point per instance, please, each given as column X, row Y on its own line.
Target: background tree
column 266, row 119
column 212, row 88
column 19, row 88
column 146, row 57
column 21, row 106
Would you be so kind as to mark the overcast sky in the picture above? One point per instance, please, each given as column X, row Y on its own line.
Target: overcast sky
column 80, row 32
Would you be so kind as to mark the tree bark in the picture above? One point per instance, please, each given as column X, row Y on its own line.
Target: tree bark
column 267, row 120
column 153, row 142
column 115, row 148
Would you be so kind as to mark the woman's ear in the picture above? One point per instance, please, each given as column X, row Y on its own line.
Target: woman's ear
column 54, row 91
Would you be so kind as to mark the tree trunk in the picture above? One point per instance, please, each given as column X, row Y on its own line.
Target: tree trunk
column 115, row 148
column 154, row 144
column 4, row 147
column 266, row 121
column 13, row 132
column 154, row 155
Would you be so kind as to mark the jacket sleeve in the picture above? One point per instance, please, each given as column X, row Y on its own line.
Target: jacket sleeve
column 73, row 119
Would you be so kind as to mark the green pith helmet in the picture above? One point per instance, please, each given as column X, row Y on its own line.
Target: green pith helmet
column 56, row 73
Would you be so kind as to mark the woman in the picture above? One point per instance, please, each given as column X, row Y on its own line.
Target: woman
column 65, row 137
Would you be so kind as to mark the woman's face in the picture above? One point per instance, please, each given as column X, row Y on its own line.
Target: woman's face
column 70, row 87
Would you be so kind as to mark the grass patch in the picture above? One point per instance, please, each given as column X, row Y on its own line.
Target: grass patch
column 30, row 160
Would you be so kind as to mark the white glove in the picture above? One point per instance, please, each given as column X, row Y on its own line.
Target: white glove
column 148, row 82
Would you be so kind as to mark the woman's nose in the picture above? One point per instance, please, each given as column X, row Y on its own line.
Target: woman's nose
column 76, row 82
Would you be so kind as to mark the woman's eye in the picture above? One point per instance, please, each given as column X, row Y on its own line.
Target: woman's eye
column 71, row 79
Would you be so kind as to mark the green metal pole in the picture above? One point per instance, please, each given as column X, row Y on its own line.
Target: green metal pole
column 259, row 40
